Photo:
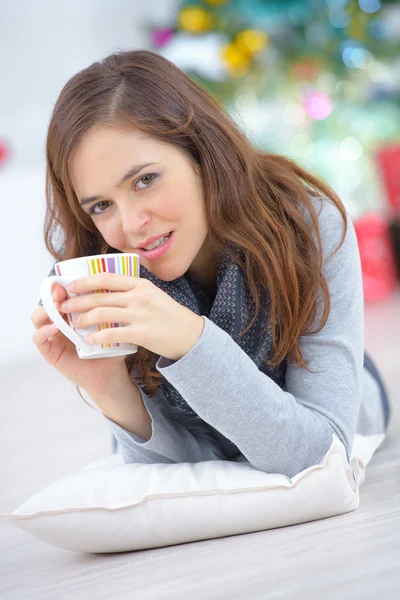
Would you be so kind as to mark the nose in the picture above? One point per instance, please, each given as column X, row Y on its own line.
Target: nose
column 133, row 222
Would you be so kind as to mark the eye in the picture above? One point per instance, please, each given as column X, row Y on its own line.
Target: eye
column 147, row 180
column 92, row 210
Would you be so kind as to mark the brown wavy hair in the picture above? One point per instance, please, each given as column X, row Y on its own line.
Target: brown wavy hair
column 253, row 198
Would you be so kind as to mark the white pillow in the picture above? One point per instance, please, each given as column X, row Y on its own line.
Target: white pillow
column 110, row 506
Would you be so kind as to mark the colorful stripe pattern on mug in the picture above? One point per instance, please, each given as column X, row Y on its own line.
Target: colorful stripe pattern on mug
column 121, row 265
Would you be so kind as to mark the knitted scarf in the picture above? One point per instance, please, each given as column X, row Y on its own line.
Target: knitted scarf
column 231, row 310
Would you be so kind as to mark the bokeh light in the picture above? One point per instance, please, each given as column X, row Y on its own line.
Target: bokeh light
column 369, row 6
column 294, row 113
column 339, row 18
column 351, row 148
column 319, row 106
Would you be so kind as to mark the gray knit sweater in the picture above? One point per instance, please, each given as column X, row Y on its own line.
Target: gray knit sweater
column 244, row 414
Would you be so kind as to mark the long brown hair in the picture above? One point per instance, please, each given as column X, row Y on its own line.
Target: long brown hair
column 254, row 199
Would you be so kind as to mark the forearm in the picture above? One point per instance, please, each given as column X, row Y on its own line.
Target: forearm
column 122, row 403
column 175, row 437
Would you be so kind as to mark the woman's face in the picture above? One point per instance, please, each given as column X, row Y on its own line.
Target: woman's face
column 166, row 195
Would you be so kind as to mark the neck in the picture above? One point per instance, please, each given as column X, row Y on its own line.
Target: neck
column 204, row 270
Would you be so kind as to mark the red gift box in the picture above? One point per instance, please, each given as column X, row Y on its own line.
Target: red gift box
column 377, row 257
column 388, row 160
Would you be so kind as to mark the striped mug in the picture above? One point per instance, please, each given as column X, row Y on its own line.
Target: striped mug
column 75, row 268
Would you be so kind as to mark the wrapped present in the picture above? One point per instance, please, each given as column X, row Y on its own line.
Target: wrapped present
column 394, row 231
column 388, row 160
column 377, row 257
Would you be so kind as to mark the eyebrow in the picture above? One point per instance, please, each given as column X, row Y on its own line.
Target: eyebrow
column 133, row 171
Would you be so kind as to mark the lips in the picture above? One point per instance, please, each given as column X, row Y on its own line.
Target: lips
column 151, row 240
column 159, row 250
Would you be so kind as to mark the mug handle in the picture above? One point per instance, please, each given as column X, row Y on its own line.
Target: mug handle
column 50, row 308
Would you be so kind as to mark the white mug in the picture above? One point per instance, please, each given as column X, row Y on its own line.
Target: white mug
column 76, row 268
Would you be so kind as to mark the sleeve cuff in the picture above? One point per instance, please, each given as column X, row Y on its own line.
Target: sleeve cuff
column 165, row 444
column 120, row 432
column 166, row 365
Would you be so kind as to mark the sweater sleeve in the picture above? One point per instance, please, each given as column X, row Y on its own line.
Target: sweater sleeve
column 281, row 430
column 287, row 430
column 175, row 437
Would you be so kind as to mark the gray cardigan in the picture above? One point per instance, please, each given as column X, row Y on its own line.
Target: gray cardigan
column 244, row 414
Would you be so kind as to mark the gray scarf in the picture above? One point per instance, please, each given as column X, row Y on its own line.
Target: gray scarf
column 231, row 310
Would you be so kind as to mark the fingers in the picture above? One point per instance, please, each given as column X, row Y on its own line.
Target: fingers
column 46, row 331
column 42, row 335
column 40, row 317
column 58, row 293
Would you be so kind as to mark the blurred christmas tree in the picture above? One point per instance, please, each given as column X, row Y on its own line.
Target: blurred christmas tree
column 316, row 80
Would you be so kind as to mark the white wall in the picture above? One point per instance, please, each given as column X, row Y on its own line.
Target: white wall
column 42, row 45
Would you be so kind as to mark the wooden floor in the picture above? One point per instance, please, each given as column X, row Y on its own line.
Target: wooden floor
column 47, row 432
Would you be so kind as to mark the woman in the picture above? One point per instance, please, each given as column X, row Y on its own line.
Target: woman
column 250, row 323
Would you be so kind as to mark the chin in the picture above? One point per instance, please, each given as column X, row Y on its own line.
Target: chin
column 166, row 272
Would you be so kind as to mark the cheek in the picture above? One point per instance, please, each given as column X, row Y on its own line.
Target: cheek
column 112, row 234
column 177, row 204
column 174, row 207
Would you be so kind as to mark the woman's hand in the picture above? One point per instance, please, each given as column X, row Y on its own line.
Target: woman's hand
column 151, row 318
column 93, row 375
